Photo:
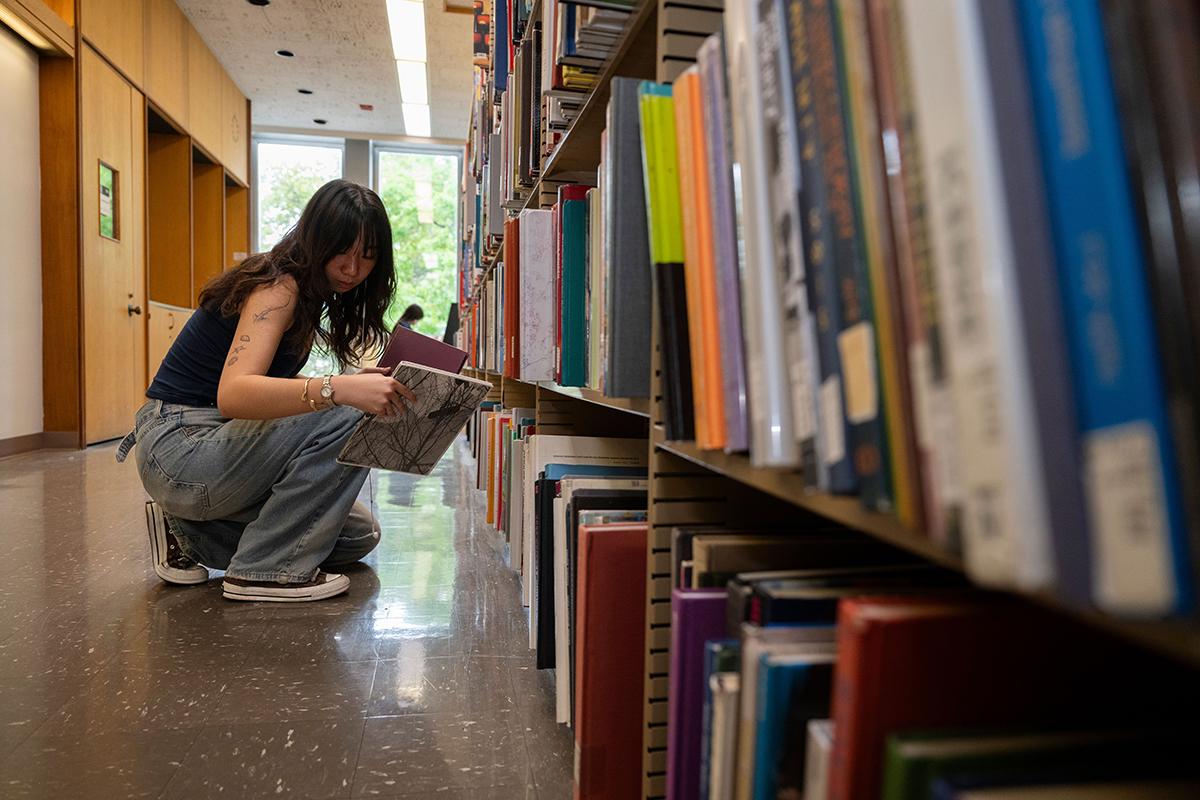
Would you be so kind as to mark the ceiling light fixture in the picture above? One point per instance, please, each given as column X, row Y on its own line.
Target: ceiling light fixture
column 285, row 53
column 416, row 119
column 406, row 19
column 259, row 2
column 320, row 121
column 23, row 29
column 304, row 91
column 414, row 86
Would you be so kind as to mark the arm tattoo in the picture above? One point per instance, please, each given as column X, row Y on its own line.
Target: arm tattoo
column 244, row 338
column 260, row 316
column 231, row 361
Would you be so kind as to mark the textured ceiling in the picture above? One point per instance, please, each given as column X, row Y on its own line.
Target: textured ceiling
column 343, row 54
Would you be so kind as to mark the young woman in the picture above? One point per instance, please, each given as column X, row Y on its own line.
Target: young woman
column 237, row 451
column 412, row 315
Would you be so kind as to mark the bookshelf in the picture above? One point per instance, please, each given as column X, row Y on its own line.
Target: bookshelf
column 693, row 486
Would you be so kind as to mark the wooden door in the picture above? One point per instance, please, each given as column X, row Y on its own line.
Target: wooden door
column 113, row 131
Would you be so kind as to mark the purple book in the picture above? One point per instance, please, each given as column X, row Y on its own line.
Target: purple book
column 417, row 348
column 726, row 242
column 697, row 615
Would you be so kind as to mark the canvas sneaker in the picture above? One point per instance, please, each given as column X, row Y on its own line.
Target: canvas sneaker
column 325, row 584
column 170, row 563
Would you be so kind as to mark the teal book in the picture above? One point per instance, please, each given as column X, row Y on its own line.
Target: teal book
column 574, row 295
column 792, row 689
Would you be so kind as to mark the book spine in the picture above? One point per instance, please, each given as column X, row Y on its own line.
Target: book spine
column 997, row 37
column 574, row 263
column 733, row 369
column 876, row 228
column 1140, row 559
column 1147, row 116
column 818, row 251
column 783, row 174
column 772, row 437
column 856, row 338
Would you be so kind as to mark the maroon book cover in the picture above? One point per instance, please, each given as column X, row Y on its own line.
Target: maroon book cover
column 417, row 348
column 512, row 298
column 610, row 635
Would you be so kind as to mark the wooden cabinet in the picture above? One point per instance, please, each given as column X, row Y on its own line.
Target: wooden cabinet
column 112, row 187
column 235, row 149
column 164, row 325
column 206, row 92
column 237, row 224
column 169, row 217
column 166, row 81
column 116, row 29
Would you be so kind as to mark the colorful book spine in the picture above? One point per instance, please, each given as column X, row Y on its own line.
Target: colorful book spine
column 574, row 302
column 833, row 428
column 1140, row 548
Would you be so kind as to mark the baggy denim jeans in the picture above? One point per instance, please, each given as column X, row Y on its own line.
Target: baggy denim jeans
column 264, row 500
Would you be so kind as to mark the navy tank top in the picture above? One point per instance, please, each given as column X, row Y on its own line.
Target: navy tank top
column 191, row 371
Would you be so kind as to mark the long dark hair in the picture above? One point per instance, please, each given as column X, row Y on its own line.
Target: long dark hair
column 350, row 325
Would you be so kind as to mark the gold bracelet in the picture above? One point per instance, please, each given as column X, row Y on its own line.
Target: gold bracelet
column 305, row 398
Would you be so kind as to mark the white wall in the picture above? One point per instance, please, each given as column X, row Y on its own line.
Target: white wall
column 20, row 241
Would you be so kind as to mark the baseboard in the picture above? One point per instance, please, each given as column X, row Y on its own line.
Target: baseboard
column 48, row 440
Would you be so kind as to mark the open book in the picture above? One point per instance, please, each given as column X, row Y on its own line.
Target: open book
column 417, row 440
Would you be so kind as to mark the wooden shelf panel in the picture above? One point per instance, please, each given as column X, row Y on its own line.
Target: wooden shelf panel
column 208, row 224
column 169, row 218
column 632, row 405
column 1179, row 640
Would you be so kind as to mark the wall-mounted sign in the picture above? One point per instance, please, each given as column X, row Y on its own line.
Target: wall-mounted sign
column 110, row 223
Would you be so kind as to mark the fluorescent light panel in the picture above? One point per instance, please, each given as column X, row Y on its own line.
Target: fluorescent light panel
column 414, row 86
column 416, row 119
column 406, row 18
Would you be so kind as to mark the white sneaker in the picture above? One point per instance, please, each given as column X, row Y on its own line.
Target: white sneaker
column 170, row 563
column 323, row 585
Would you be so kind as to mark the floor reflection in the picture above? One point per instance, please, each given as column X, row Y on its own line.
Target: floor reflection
column 113, row 685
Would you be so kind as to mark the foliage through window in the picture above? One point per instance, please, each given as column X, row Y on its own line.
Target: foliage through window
column 288, row 175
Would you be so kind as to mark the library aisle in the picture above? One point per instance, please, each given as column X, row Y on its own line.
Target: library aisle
column 416, row 684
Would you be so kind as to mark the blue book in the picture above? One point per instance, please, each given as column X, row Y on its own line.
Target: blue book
column 720, row 655
column 1140, row 562
column 500, row 43
column 792, row 689
column 556, row 472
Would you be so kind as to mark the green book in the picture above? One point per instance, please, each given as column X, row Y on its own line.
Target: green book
column 574, row 299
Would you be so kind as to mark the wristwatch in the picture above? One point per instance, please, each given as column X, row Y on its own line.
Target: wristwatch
column 327, row 389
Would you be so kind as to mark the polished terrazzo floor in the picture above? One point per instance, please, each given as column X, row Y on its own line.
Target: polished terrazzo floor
column 417, row 684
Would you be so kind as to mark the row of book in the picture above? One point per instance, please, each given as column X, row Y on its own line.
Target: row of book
column 808, row 660
column 936, row 254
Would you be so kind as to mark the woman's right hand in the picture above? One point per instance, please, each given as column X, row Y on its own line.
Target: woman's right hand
column 373, row 390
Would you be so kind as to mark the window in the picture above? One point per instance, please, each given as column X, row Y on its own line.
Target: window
column 419, row 188
column 288, row 172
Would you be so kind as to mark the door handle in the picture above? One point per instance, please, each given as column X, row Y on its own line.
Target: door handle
column 132, row 309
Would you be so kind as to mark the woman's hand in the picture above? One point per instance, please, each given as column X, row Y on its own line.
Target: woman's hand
column 372, row 390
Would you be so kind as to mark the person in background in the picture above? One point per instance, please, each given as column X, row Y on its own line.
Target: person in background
column 235, row 448
column 412, row 315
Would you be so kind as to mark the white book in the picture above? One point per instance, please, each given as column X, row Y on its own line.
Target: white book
column 818, row 755
column 497, row 463
column 516, row 506
column 536, row 305
column 725, row 688
column 772, row 429
column 756, row 641
column 1005, row 522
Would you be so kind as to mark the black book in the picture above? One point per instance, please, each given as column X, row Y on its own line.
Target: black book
column 544, row 492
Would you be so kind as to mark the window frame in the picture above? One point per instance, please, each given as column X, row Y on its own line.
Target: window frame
column 333, row 142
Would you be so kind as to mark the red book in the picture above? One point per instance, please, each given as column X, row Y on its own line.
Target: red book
column 610, row 635
column 512, row 298
column 922, row 662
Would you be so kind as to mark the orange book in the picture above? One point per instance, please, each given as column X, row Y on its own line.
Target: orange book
column 686, row 95
column 712, row 404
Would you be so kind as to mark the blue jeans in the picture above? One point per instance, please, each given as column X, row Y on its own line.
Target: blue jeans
column 262, row 499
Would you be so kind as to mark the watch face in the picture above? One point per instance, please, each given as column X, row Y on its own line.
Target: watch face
column 326, row 391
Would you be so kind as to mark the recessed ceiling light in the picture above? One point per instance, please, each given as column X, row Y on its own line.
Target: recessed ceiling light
column 414, row 85
column 416, row 119
column 285, row 53
column 304, row 91
column 259, row 2
column 406, row 18
column 320, row 121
